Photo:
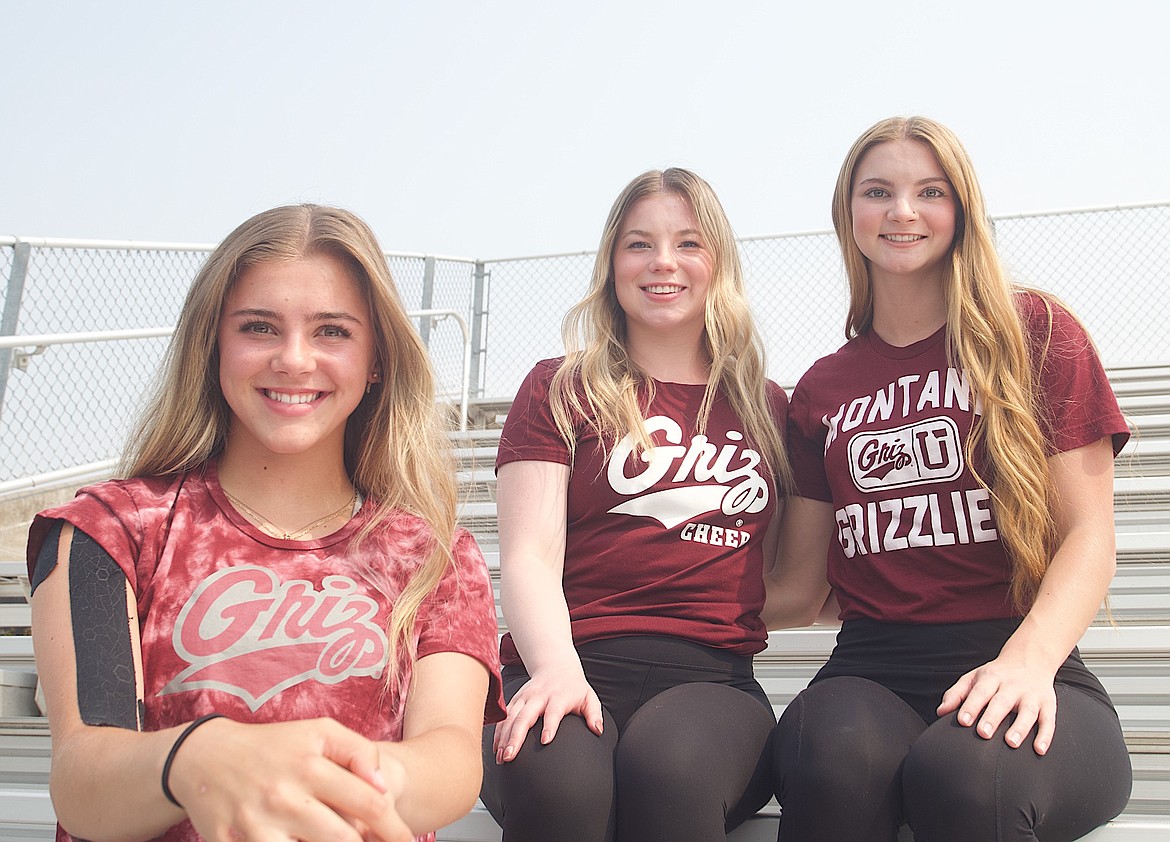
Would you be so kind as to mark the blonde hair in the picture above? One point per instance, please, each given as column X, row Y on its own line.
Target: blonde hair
column 985, row 339
column 600, row 382
column 396, row 452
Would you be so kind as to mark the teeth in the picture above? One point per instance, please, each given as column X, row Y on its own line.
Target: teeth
column 284, row 397
column 662, row 288
column 903, row 238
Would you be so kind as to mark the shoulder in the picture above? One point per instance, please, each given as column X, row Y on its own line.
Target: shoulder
column 845, row 360
column 777, row 398
column 138, row 495
column 120, row 515
column 1055, row 334
column 1043, row 315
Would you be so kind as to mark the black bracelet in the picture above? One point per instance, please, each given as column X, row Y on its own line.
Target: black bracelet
column 166, row 772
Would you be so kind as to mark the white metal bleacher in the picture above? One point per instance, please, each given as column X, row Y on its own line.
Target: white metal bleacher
column 1128, row 647
column 1131, row 655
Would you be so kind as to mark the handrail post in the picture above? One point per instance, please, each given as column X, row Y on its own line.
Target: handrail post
column 428, row 297
column 11, row 314
column 479, row 314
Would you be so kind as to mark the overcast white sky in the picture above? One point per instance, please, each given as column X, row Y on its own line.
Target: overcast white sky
column 496, row 129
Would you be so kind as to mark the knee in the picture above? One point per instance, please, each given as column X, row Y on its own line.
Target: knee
column 684, row 737
column 953, row 778
column 842, row 734
column 575, row 768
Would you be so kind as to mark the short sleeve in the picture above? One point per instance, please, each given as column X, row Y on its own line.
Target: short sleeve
column 1077, row 404
column 108, row 514
column 806, row 446
column 530, row 433
column 460, row 616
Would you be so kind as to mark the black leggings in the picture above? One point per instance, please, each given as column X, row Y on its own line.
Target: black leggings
column 682, row 755
column 855, row 760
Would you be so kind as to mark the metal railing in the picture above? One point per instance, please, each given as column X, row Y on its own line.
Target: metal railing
column 1112, row 265
column 24, row 348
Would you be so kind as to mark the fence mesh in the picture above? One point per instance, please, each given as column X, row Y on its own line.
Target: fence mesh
column 1111, row 266
column 73, row 404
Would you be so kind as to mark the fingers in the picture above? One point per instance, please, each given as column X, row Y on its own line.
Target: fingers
column 1046, row 728
column 592, row 713
column 511, row 732
column 354, row 752
column 549, row 703
column 985, row 700
column 309, row 780
column 954, row 696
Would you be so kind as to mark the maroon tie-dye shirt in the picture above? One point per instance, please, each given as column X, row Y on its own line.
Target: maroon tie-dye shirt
column 260, row 629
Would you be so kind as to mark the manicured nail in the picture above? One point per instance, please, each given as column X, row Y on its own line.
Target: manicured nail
column 965, row 718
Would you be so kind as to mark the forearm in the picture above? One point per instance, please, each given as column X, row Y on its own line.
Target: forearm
column 105, row 783
column 1070, row 595
column 538, row 617
column 1083, row 564
column 434, row 777
column 795, row 584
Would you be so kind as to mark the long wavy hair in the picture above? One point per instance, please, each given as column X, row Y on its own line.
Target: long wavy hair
column 600, row 382
column 396, row 452
column 985, row 339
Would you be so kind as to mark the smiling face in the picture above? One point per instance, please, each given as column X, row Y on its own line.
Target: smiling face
column 296, row 350
column 661, row 268
column 903, row 211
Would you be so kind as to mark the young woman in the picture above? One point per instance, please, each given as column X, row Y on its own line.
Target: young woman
column 956, row 459
column 637, row 481
column 271, row 628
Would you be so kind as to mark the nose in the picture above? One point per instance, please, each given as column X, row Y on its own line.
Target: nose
column 664, row 260
column 903, row 209
column 293, row 356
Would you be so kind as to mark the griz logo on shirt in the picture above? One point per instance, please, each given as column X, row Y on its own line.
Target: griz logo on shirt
column 920, row 453
column 245, row 632
column 731, row 483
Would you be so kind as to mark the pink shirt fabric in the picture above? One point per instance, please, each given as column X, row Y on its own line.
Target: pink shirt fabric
column 260, row 629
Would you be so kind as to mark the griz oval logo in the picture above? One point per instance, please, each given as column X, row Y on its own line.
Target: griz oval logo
column 923, row 452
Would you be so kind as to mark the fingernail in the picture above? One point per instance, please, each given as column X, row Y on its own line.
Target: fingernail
column 965, row 718
column 379, row 780
column 1014, row 739
column 985, row 730
column 1041, row 747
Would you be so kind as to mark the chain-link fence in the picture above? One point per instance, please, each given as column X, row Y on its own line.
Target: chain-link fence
column 1111, row 266
column 65, row 405
column 73, row 404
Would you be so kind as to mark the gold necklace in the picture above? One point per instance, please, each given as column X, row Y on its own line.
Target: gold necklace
column 275, row 531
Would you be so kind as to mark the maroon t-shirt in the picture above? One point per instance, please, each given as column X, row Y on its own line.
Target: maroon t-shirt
column 670, row 546
column 879, row 432
column 237, row 622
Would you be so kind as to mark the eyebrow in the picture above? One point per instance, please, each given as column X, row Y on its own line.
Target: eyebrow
column 930, row 180
column 686, row 232
column 322, row 316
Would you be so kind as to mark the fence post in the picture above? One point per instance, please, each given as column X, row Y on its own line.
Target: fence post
column 428, row 298
column 479, row 314
column 11, row 315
